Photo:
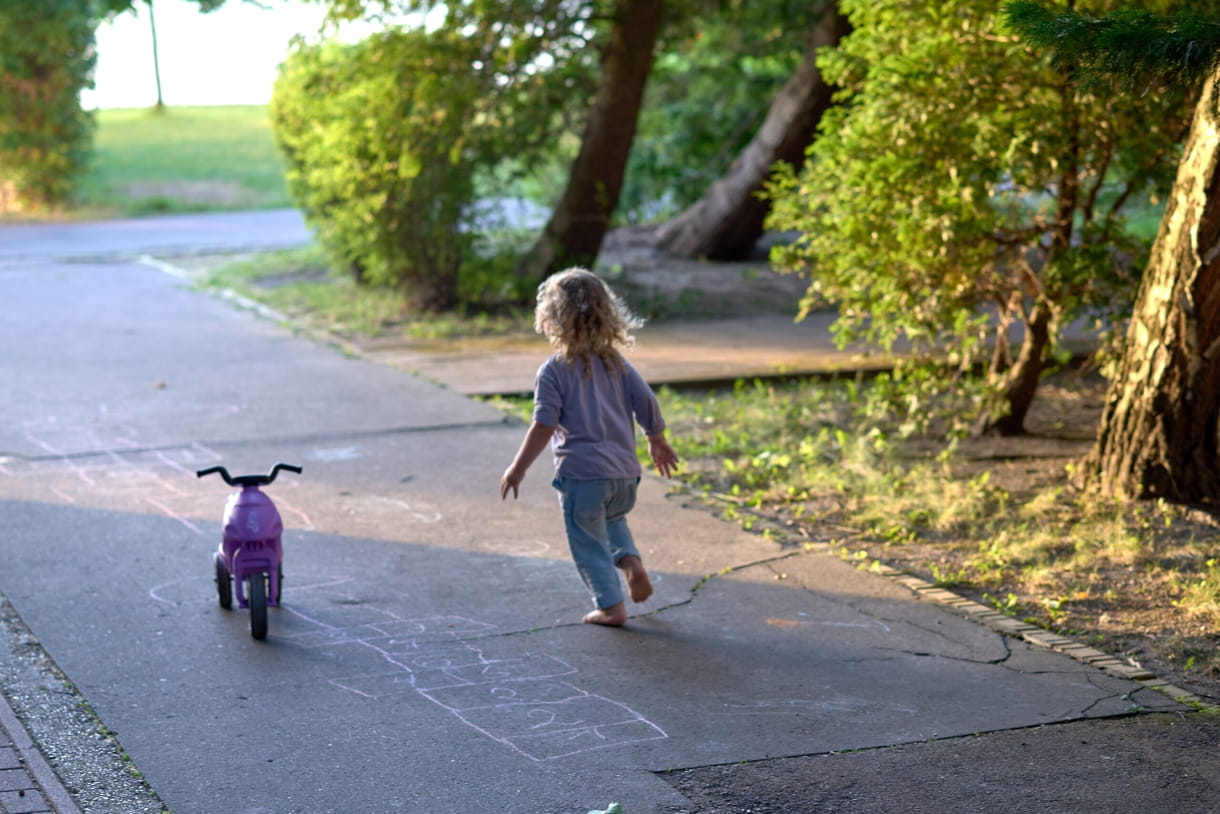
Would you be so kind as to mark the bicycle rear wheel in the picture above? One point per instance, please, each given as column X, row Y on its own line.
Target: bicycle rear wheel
column 257, row 594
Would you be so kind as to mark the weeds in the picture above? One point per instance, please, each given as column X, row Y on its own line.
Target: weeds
column 1201, row 595
column 834, row 458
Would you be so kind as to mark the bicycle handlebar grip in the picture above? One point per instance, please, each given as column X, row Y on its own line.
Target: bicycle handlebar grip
column 224, row 473
column 275, row 470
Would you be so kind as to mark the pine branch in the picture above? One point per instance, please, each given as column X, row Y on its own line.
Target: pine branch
column 1129, row 45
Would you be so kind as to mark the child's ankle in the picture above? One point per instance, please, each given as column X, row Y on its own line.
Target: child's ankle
column 630, row 563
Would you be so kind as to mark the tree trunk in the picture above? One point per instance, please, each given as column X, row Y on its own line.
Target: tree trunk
column 728, row 220
column 1021, row 381
column 1158, row 432
column 152, row 25
column 573, row 235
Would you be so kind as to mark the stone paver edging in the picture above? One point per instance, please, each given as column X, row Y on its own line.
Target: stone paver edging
column 28, row 785
column 1008, row 626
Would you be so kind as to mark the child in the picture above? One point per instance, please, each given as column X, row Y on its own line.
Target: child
column 585, row 398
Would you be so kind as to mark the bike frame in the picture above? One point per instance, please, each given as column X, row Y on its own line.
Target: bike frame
column 250, row 545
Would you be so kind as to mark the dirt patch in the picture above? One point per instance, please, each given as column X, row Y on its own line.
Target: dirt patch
column 1122, row 597
column 213, row 193
column 660, row 286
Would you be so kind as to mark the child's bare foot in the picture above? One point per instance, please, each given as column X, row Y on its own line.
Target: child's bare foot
column 613, row 616
column 639, row 586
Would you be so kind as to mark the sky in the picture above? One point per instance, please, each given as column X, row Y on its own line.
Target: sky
column 226, row 57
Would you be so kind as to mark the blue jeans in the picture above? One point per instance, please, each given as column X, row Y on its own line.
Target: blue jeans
column 595, row 518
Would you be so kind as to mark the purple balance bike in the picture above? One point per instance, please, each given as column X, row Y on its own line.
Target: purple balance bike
column 250, row 552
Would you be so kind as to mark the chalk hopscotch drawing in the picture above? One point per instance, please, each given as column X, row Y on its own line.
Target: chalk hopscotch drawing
column 525, row 701
column 522, row 701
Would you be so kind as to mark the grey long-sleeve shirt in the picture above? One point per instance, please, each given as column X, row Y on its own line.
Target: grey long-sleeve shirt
column 594, row 417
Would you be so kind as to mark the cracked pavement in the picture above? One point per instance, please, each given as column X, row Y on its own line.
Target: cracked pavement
column 429, row 656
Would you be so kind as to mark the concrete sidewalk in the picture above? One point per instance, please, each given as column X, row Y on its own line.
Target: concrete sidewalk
column 429, row 657
column 680, row 353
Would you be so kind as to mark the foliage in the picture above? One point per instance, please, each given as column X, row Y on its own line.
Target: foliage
column 183, row 159
column 386, row 139
column 375, row 137
column 1126, row 45
column 112, row 7
column 708, row 93
column 46, row 59
column 964, row 181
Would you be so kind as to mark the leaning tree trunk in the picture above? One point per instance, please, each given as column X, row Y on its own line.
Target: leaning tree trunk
column 1157, row 436
column 579, row 222
column 728, row 220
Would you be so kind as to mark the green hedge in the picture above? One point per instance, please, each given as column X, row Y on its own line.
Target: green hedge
column 376, row 137
column 46, row 58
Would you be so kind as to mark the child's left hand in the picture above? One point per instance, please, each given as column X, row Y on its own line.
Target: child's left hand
column 663, row 455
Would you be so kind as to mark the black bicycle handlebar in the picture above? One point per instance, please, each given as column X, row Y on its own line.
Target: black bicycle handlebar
column 248, row 480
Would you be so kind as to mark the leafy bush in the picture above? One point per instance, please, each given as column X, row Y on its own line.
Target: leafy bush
column 964, row 192
column 375, row 135
column 389, row 142
column 46, row 59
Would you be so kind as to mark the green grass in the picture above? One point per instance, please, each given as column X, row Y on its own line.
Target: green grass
column 183, row 159
column 299, row 283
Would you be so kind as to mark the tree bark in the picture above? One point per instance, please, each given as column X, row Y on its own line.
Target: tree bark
column 728, row 220
column 1158, row 432
column 574, row 233
column 1022, row 378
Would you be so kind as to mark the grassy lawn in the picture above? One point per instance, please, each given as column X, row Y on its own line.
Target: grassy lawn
column 184, row 159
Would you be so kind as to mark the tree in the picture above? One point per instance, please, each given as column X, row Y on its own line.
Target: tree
column 385, row 140
column 548, row 50
column 966, row 195
column 46, row 59
column 717, row 67
column 728, row 220
column 610, row 42
column 152, row 28
column 1158, row 432
column 573, row 235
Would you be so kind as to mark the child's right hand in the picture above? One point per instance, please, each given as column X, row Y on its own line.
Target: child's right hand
column 509, row 481
column 663, row 455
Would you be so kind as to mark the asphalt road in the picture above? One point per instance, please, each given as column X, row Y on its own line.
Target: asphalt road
column 429, row 656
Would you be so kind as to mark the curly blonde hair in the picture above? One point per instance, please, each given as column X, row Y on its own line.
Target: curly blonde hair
column 582, row 317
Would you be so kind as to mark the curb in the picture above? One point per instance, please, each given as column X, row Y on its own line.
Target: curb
column 987, row 616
